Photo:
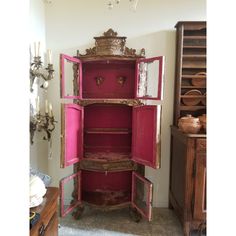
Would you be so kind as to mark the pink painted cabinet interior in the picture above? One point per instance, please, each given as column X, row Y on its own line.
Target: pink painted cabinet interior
column 107, row 133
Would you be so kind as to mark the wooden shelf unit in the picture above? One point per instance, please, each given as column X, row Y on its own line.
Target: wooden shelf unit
column 188, row 151
column 188, row 65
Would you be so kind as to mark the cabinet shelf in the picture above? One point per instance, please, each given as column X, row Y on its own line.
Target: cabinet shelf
column 193, row 76
column 192, row 87
column 108, row 131
column 194, row 46
column 194, row 66
column 192, row 96
column 112, row 156
column 194, row 56
column 194, row 36
column 192, row 108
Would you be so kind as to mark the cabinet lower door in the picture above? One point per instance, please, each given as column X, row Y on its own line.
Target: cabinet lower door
column 199, row 210
column 70, row 193
column 141, row 198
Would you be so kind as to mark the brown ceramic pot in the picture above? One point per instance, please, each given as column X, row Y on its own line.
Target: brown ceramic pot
column 203, row 121
column 189, row 124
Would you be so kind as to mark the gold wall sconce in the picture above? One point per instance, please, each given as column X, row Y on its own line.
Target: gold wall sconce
column 37, row 70
column 39, row 122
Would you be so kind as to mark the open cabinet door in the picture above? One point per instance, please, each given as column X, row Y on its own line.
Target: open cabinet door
column 70, row 186
column 142, row 195
column 72, row 119
column 149, row 78
column 146, row 135
column 71, row 77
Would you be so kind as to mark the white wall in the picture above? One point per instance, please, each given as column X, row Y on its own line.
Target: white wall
column 72, row 24
column 39, row 150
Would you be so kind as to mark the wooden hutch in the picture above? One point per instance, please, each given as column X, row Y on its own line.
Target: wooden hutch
column 107, row 132
column 188, row 151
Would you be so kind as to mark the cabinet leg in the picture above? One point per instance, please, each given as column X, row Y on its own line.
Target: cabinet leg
column 77, row 213
column 135, row 215
column 186, row 229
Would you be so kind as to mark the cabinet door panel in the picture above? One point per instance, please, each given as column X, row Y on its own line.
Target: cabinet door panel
column 142, row 195
column 72, row 119
column 199, row 211
column 149, row 78
column 146, row 135
column 70, row 186
column 71, row 77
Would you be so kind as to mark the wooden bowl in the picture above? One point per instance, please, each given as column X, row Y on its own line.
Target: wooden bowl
column 192, row 101
column 189, row 124
column 199, row 80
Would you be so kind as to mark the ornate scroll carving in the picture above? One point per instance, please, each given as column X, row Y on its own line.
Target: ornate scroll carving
column 128, row 102
column 91, row 51
column 89, row 164
column 110, row 33
column 110, row 44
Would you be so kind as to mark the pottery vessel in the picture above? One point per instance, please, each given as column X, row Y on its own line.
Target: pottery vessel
column 203, row 121
column 189, row 124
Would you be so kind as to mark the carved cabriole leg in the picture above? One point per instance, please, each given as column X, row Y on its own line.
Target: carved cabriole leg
column 77, row 213
column 135, row 215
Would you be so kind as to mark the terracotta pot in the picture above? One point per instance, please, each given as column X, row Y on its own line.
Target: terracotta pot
column 189, row 124
column 203, row 121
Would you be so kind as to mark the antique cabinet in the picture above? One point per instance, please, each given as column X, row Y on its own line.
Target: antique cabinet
column 108, row 134
column 188, row 151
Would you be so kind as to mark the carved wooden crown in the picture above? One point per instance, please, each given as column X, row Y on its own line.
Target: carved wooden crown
column 111, row 45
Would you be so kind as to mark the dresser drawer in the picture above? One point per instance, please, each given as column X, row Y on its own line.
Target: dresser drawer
column 201, row 145
column 47, row 211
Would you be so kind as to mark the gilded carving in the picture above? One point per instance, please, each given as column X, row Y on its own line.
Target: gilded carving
column 110, row 33
column 111, row 45
column 128, row 102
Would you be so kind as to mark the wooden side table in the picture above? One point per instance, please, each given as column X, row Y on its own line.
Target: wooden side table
column 48, row 222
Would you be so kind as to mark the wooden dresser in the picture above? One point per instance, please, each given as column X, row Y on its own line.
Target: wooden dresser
column 188, row 151
column 48, row 222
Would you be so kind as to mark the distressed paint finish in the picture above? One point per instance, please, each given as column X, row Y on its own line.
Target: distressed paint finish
column 73, row 131
column 64, row 58
column 77, row 177
column 160, row 78
column 149, row 187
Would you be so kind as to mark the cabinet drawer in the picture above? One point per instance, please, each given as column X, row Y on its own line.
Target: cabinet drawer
column 201, row 145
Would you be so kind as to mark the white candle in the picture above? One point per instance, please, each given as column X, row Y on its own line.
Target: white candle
column 38, row 48
column 50, row 110
column 46, row 106
column 37, row 105
column 35, row 54
column 49, row 56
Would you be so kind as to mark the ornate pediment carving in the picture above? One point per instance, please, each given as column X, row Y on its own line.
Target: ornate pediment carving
column 110, row 44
